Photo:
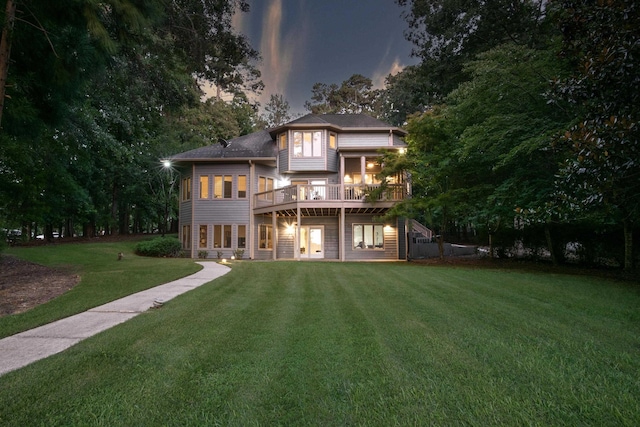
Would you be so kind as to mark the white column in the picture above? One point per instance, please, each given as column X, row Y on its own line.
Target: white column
column 296, row 244
column 274, row 227
column 342, row 234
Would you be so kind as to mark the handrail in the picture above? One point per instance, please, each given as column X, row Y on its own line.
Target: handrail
column 304, row 193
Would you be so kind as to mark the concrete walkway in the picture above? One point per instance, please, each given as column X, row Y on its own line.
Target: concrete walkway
column 27, row 347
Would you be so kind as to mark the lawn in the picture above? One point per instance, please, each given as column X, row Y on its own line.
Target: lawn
column 103, row 278
column 305, row 343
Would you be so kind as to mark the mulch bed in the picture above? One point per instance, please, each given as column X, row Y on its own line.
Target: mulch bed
column 24, row 285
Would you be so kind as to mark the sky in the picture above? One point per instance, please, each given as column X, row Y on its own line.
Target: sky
column 303, row 42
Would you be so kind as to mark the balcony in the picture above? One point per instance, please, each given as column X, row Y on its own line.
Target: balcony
column 326, row 199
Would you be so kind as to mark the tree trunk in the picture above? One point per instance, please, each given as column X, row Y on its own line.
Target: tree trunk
column 491, row 245
column 628, row 245
column 113, row 226
column 5, row 49
column 552, row 251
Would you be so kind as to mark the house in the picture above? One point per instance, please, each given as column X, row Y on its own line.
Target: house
column 296, row 191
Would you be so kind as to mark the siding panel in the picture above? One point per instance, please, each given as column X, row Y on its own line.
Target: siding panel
column 350, row 140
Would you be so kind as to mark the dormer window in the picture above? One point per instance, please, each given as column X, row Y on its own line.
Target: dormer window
column 307, row 144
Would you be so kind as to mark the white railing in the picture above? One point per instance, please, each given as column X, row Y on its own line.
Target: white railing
column 331, row 192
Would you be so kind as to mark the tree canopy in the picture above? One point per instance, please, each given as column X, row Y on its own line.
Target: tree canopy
column 98, row 92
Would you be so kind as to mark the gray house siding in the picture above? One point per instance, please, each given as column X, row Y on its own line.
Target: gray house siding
column 308, row 164
column 286, row 240
column 283, row 160
column 211, row 211
column 353, row 140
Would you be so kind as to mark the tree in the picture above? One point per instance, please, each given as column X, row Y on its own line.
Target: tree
column 405, row 94
column 94, row 106
column 213, row 51
column 431, row 170
column 603, row 174
column 505, row 124
column 355, row 95
column 277, row 111
column 449, row 33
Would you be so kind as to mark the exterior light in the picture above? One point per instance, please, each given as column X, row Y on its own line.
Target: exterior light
column 370, row 165
column 224, row 260
column 401, row 151
column 291, row 229
column 233, row 257
column 166, row 163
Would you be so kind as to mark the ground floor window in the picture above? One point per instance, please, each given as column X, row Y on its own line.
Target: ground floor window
column 221, row 236
column 368, row 236
column 242, row 236
column 203, row 240
column 265, row 233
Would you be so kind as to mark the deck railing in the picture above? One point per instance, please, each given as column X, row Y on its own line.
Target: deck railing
column 331, row 192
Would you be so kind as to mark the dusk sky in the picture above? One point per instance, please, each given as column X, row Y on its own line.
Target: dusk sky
column 303, row 42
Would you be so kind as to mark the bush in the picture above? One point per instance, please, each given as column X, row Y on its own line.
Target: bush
column 160, row 247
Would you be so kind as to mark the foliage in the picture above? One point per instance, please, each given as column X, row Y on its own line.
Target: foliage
column 354, row 96
column 277, row 111
column 159, row 247
column 406, row 93
column 448, row 33
column 602, row 174
column 541, row 127
column 212, row 50
column 89, row 113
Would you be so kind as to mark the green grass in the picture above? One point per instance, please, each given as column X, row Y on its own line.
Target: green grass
column 102, row 278
column 296, row 343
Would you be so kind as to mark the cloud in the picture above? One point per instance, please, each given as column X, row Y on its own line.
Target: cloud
column 381, row 73
column 281, row 49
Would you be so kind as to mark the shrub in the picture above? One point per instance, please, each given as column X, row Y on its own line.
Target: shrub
column 238, row 253
column 160, row 247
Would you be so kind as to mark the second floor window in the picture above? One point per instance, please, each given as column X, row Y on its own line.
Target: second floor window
column 242, row 186
column 307, row 144
column 222, row 185
column 204, row 186
column 186, row 188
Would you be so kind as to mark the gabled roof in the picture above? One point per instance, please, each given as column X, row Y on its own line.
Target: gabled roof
column 252, row 146
column 341, row 122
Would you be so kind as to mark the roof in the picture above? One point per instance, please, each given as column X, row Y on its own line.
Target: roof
column 261, row 144
column 255, row 145
column 342, row 122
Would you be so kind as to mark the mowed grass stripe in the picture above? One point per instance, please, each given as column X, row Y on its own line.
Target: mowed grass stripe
column 350, row 344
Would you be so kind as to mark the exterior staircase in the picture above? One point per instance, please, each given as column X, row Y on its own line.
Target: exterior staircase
column 418, row 230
